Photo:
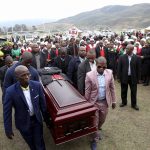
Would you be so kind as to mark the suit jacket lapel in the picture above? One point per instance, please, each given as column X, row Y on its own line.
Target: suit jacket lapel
column 20, row 92
column 96, row 78
column 32, row 92
column 132, row 60
column 106, row 81
column 127, row 60
column 88, row 68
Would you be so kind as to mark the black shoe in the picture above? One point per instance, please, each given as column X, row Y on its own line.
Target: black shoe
column 122, row 105
column 135, row 107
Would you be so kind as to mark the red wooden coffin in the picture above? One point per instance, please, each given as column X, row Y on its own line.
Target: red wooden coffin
column 71, row 114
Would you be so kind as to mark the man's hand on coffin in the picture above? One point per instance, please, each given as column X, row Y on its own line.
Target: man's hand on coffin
column 10, row 135
column 113, row 105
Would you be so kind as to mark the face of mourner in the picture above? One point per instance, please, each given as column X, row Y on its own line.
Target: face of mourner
column 101, row 67
column 24, row 77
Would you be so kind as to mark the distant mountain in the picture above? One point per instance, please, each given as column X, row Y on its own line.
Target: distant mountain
column 28, row 22
column 113, row 16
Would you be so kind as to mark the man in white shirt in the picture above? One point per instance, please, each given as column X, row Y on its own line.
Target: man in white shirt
column 28, row 100
column 100, row 91
column 84, row 67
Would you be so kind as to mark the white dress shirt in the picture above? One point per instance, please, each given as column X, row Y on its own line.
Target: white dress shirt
column 28, row 99
column 102, row 86
column 129, row 68
column 93, row 65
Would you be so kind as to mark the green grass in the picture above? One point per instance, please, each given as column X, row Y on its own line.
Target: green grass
column 124, row 129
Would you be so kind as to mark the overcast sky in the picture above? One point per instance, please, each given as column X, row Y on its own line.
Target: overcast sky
column 53, row 9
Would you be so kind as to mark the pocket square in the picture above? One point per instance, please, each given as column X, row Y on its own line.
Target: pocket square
column 36, row 96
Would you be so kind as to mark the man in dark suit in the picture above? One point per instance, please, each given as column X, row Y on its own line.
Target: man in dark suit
column 10, row 76
column 74, row 63
column 28, row 100
column 84, row 67
column 8, row 63
column 39, row 59
column 72, row 48
column 62, row 61
column 129, row 73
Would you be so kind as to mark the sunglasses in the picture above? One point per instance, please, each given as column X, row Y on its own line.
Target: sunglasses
column 99, row 67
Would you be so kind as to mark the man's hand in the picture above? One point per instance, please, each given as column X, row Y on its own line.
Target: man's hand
column 113, row 105
column 10, row 135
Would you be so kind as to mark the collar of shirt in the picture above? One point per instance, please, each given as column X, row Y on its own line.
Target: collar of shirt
column 130, row 56
column 81, row 59
column 100, row 74
column 25, row 89
column 93, row 62
column 62, row 59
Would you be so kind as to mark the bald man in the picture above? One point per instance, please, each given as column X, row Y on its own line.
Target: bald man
column 10, row 77
column 28, row 100
column 129, row 74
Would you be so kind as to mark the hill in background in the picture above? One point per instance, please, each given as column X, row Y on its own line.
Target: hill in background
column 112, row 16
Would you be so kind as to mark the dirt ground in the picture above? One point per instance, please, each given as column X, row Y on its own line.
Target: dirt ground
column 124, row 129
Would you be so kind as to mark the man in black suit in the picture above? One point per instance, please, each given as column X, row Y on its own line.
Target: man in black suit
column 39, row 59
column 62, row 61
column 84, row 67
column 129, row 73
column 8, row 63
column 74, row 63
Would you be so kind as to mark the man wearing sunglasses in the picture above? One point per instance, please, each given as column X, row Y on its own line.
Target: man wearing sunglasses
column 100, row 90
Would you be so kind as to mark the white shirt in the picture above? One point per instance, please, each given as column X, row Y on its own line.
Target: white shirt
column 129, row 69
column 28, row 99
column 81, row 59
column 93, row 66
column 102, row 87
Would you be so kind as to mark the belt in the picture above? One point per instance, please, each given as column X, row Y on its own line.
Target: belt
column 102, row 100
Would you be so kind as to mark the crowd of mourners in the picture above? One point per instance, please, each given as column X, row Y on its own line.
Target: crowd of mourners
column 69, row 53
column 91, row 63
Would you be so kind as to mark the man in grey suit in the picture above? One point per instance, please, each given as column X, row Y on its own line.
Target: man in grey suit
column 84, row 67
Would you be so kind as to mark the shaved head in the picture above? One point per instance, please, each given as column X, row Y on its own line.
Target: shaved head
column 101, row 60
column 129, row 49
column 8, row 59
column 130, row 46
column 26, row 56
column 19, row 70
